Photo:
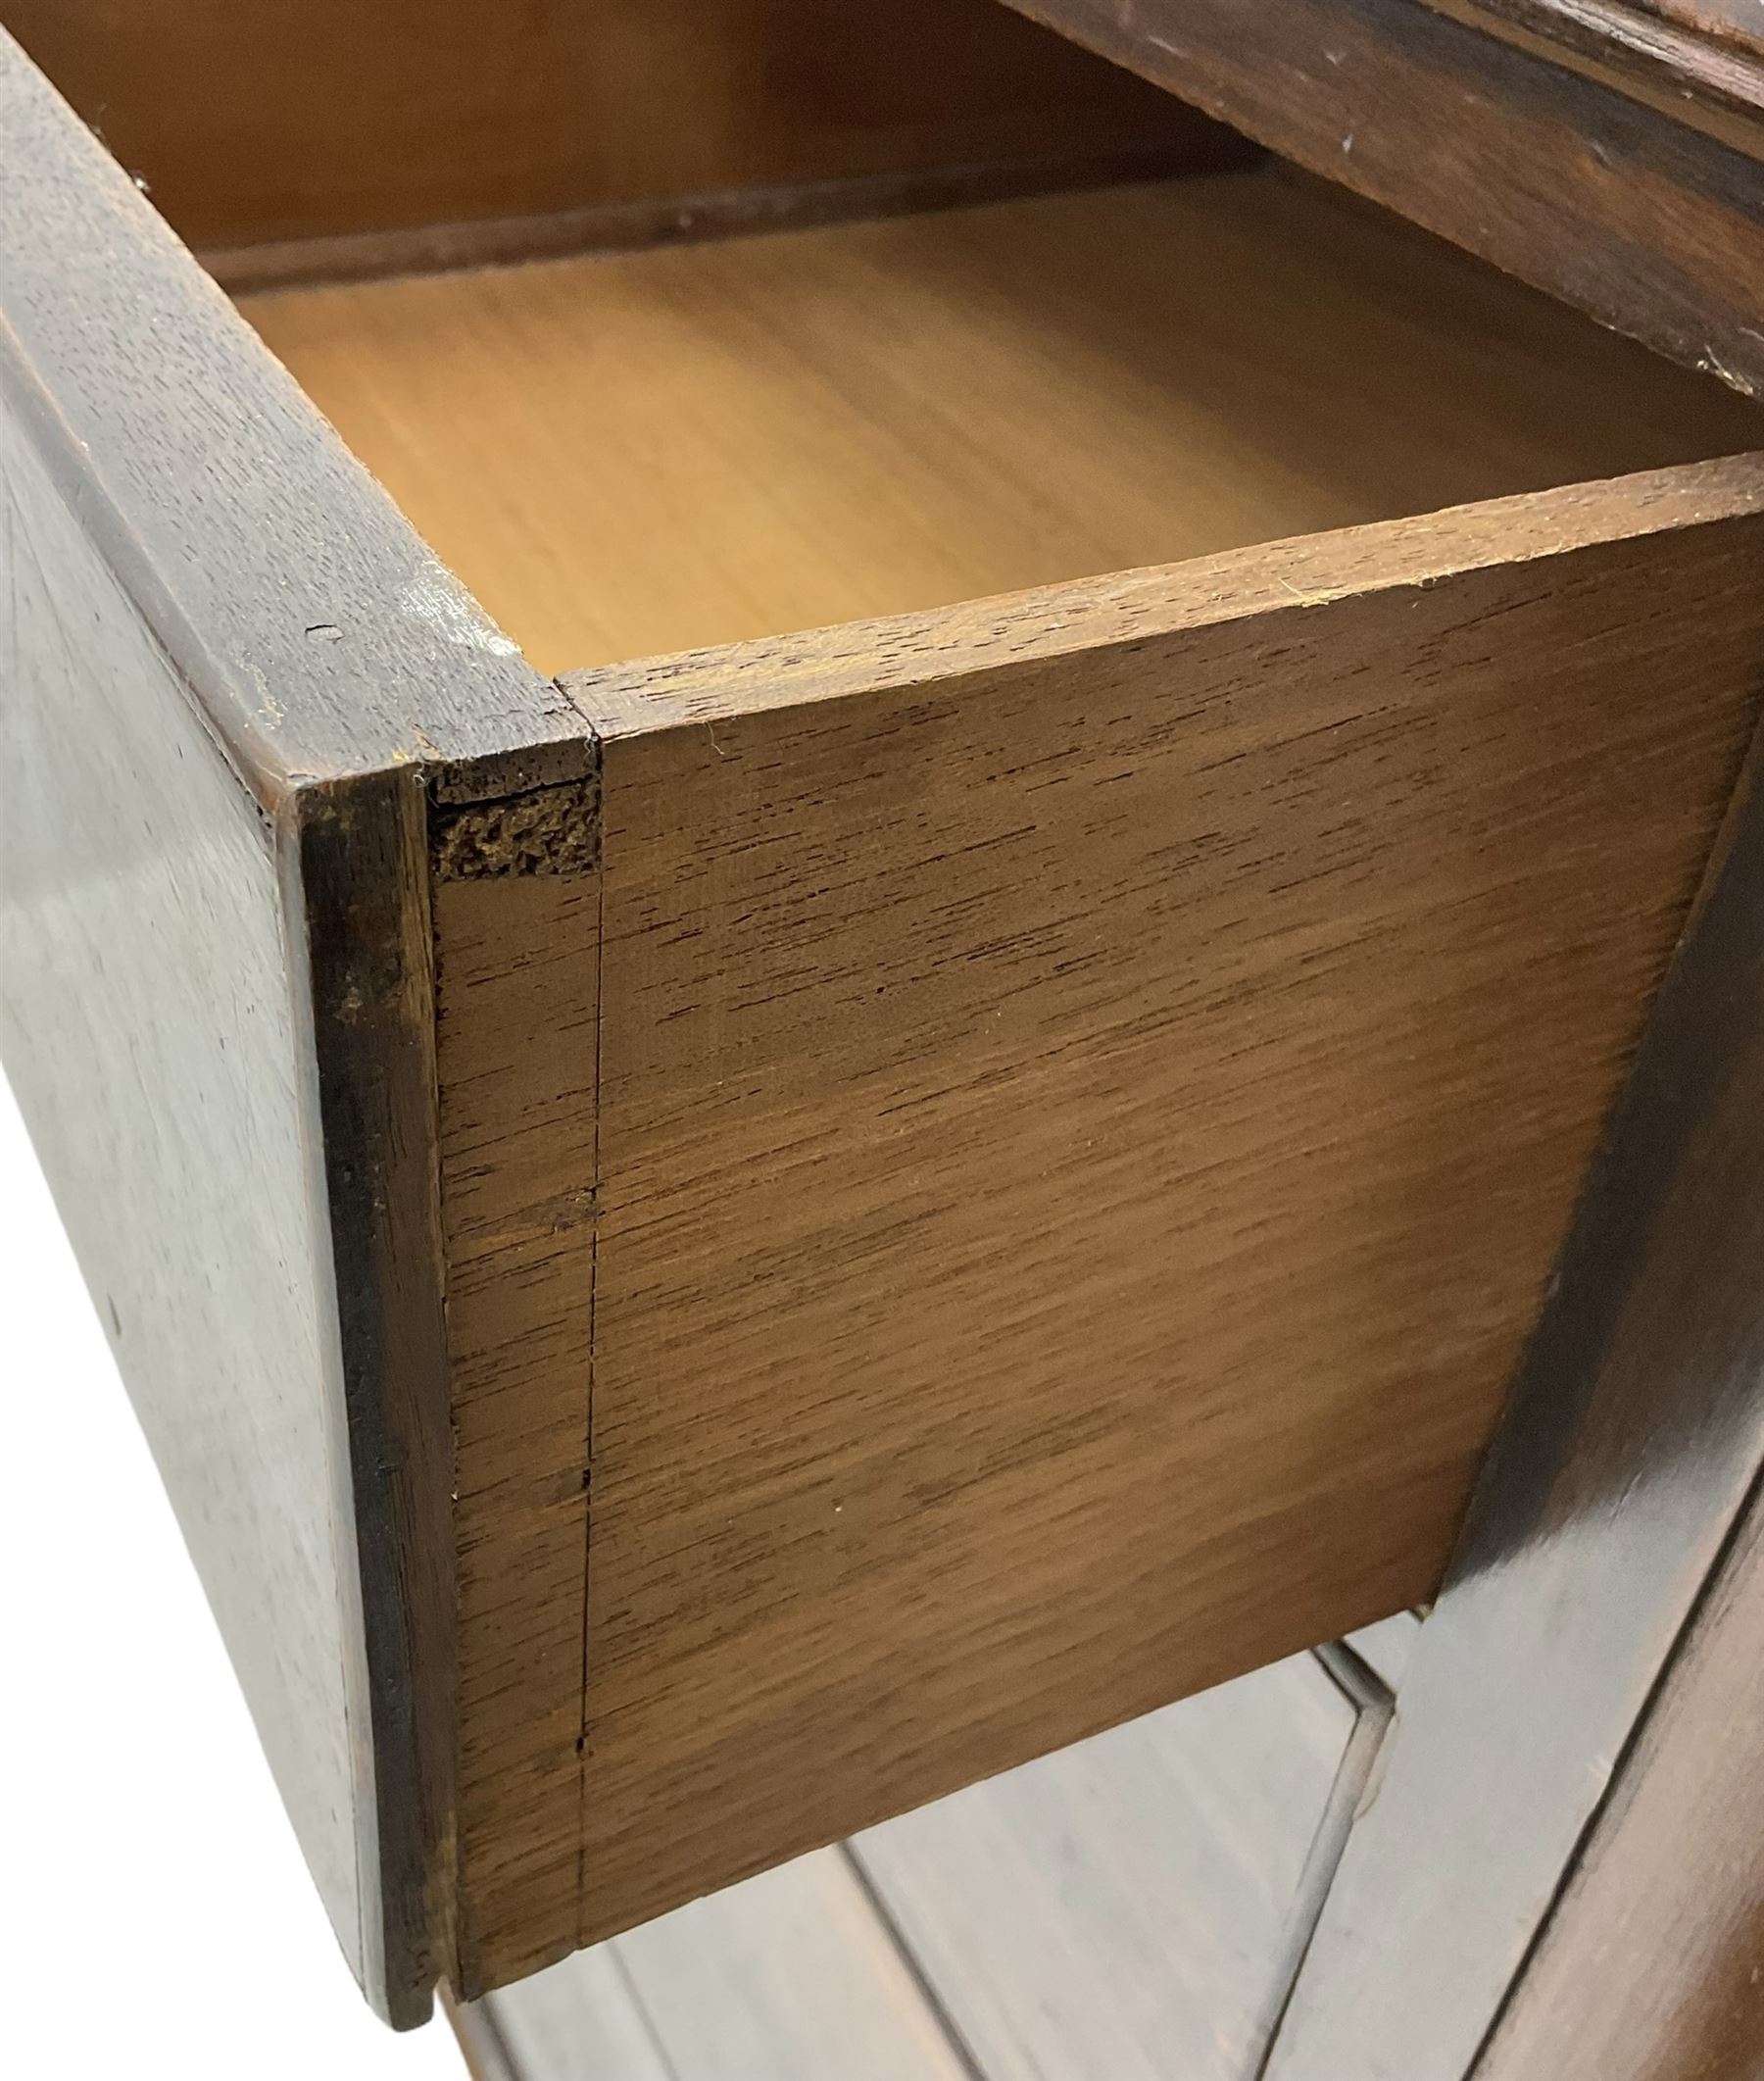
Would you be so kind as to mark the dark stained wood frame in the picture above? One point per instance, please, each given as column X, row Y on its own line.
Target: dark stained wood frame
column 1650, row 225
column 1695, row 75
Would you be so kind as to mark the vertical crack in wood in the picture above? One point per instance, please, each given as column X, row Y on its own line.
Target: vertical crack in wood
column 600, row 943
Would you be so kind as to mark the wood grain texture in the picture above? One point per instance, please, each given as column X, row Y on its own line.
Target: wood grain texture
column 222, row 570
column 1659, row 54
column 642, row 454
column 1049, row 623
column 1617, row 207
column 1632, row 1442
column 257, row 122
column 518, row 1122
column 518, row 1148
column 1650, row 1966
column 1291, row 914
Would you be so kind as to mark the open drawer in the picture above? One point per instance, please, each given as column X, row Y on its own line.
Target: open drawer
column 718, row 1247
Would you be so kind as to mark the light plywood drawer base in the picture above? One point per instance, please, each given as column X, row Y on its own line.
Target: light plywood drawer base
column 846, row 1207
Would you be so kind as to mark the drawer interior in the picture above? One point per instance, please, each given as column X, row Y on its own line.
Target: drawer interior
column 1289, row 913
column 634, row 453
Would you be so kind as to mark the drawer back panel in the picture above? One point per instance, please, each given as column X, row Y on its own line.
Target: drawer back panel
column 288, row 139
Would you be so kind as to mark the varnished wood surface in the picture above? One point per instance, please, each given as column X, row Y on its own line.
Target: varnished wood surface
column 914, row 936
column 1632, row 1443
column 1618, row 208
column 1111, row 1911
column 301, row 641
column 254, row 123
column 643, row 453
column 893, row 982
column 520, row 1519
column 1656, row 54
column 1652, row 1964
column 353, row 858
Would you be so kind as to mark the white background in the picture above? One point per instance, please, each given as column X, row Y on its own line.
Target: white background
column 156, row 1918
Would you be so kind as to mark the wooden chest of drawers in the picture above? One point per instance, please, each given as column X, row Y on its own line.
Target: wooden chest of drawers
column 715, row 1247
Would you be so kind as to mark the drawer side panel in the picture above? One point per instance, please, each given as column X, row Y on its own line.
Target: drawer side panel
column 1081, row 1146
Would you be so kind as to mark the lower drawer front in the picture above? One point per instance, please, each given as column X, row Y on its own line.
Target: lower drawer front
column 1133, row 1907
